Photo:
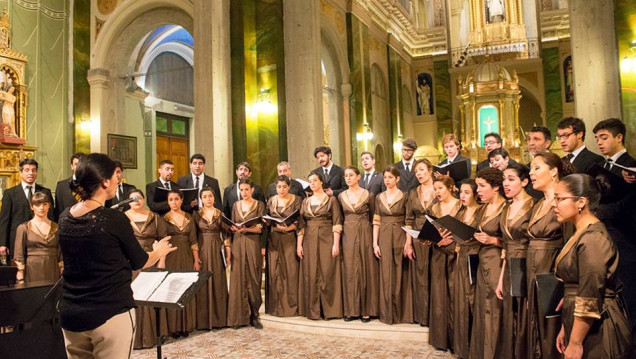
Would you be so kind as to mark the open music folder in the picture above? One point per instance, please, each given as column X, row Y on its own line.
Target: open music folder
column 167, row 289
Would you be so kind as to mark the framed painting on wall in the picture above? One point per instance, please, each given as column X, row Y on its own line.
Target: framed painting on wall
column 123, row 149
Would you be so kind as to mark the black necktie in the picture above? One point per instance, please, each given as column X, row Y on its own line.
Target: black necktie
column 29, row 193
column 196, row 182
column 366, row 180
column 569, row 157
column 326, row 174
column 167, row 185
column 408, row 167
column 608, row 164
column 120, row 192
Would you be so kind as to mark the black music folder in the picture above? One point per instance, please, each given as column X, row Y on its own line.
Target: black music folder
column 428, row 232
column 249, row 223
column 462, row 232
column 517, row 268
column 189, row 194
column 456, row 170
column 287, row 221
column 612, row 186
column 473, row 265
column 549, row 294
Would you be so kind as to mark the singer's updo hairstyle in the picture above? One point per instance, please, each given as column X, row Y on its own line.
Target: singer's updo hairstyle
column 91, row 172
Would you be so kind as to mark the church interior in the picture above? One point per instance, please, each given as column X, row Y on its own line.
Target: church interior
column 265, row 81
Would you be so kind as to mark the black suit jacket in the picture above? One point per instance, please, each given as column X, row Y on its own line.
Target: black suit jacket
column 113, row 201
column 407, row 179
column 158, row 207
column 585, row 159
column 213, row 183
column 624, row 160
column 296, row 188
column 64, row 197
column 335, row 180
column 376, row 183
column 230, row 197
column 17, row 210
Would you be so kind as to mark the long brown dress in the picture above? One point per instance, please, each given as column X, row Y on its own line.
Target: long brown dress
column 39, row 255
column 184, row 237
column 484, row 341
column 443, row 261
column 396, row 294
column 416, row 208
column 283, row 265
column 587, row 266
column 515, row 239
column 464, row 289
column 246, row 274
column 546, row 240
column 321, row 281
column 361, row 271
column 212, row 298
column 147, row 233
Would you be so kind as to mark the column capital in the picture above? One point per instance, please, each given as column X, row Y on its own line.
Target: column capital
column 98, row 77
column 346, row 90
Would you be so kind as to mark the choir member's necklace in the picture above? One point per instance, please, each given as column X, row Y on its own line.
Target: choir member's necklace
column 96, row 201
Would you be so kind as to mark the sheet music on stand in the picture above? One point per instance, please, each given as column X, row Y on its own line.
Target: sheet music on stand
column 167, row 289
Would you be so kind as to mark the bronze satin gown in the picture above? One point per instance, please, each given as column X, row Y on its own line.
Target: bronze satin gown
column 283, row 265
column 594, row 292
column 416, row 208
column 38, row 254
column 247, row 268
column 320, row 278
column 396, row 295
column 360, row 267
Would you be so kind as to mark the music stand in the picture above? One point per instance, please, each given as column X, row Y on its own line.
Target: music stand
column 187, row 296
column 8, row 275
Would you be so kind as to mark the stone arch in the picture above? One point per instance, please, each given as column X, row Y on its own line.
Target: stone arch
column 184, row 51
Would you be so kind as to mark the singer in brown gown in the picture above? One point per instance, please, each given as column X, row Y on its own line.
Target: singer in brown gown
column 146, row 232
column 464, row 289
column 485, row 341
column 546, row 240
column 281, row 295
column 212, row 298
column 595, row 322
column 247, row 262
column 183, row 235
column 319, row 249
column 514, row 226
column 390, row 246
column 418, row 205
column 360, row 267
column 38, row 253
column 443, row 270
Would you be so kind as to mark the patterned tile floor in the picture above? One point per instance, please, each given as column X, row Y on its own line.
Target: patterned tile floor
column 273, row 343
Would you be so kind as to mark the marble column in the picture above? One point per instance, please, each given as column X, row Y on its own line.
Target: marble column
column 99, row 82
column 303, row 81
column 346, row 90
column 212, row 90
column 595, row 60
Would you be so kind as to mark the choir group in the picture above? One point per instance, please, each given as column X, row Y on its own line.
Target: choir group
column 347, row 254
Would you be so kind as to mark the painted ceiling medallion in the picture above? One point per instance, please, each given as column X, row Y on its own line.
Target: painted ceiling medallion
column 106, row 6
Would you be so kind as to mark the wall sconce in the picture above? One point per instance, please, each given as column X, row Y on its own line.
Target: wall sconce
column 397, row 146
column 263, row 103
column 366, row 134
column 628, row 63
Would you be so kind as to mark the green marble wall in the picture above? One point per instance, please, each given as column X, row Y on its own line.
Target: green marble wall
column 552, row 81
column 625, row 23
column 81, row 65
column 395, row 100
column 443, row 101
column 258, row 90
column 40, row 31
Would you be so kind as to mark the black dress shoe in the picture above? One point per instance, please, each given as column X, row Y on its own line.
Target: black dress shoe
column 185, row 334
column 365, row 320
column 349, row 319
column 256, row 323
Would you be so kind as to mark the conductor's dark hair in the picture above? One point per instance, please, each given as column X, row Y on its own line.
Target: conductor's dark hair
column 197, row 156
column 119, row 165
column 92, row 170
column 564, row 167
column 523, row 172
column 283, row 178
column 492, row 175
column 137, row 191
column 77, row 156
column 613, row 125
column 246, row 181
column 547, row 135
column 318, row 174
column 583, row 185
column 324, row 149
column 495, row 135
column 576, row 123
column 354, row 169
column 28, row 161
column 498, row 151
column 206, row 189
column 165, row 162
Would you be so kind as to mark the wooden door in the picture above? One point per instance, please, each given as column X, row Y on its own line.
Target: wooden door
column 176, row 150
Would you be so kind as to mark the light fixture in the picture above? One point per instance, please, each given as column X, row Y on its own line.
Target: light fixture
column 263, row 104
column 628, row 63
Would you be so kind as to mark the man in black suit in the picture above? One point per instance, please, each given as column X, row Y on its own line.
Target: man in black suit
column 334, row 175
column 408, row 181
column 571, row 134
column 231, row 194
column 64, row 197
column 16, row 206
column 451, row 147
column 198, row 179
column 370, row 180
column 619, row 215
column 123, row 189
column 166, row 170
column 284, row 169
column 492, row 141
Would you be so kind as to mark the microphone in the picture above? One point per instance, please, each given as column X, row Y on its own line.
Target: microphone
column 125, row 202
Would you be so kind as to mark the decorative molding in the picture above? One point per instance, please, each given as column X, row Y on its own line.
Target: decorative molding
column 555, row 25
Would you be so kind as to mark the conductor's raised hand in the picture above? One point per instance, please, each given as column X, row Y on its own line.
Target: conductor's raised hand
column 163, row 247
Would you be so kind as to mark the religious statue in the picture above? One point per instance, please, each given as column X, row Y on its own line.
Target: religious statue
column 424, row 97
column 8, row 111
column 495, row 11
column 438, row 17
